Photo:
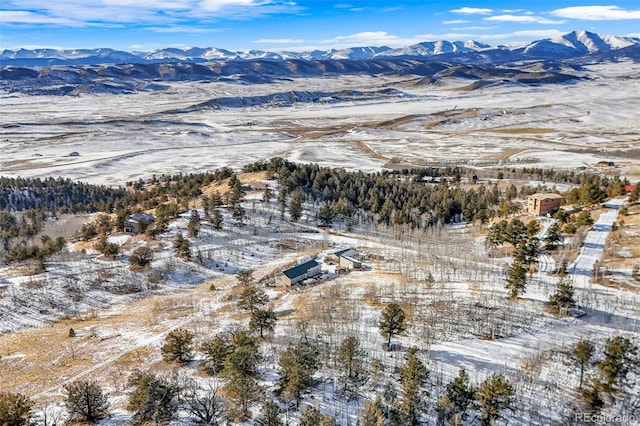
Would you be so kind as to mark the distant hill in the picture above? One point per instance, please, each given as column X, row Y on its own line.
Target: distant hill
column 577, row 44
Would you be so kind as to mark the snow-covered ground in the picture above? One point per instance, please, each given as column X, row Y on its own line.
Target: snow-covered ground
column 122, row 138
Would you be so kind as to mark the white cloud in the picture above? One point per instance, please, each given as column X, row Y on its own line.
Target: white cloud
column 25, row 17
column 217, row 5
column 472, row 11
column 527, row 19
column 473, row 28
column 596, row 13
column 634, row 35
column 456, row 21
column 152, row 12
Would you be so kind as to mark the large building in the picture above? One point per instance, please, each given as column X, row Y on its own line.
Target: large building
column 297, row 273
column 538, row 204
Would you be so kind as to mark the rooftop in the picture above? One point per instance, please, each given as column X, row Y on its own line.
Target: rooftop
column 298, row 270
column 545, row 196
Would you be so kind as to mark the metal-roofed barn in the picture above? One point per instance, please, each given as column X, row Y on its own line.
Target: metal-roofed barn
column 297, row 273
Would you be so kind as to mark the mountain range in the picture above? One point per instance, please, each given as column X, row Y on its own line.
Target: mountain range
column 577, row 44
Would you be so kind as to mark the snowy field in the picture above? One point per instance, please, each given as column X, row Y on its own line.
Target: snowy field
column 460, row 319
column 122, row 138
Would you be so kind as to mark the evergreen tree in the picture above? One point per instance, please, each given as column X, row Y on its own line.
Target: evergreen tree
column 15, row 409
column 178, row 346
column 252, row 298
column 325, row 214
column 516, row 280
column 581, row 354
column 182, row 246
column 297, row 365
column 553, row 237
column 245, row 276
column 241, row 370
column 392, row 321
column 458, row 397
column 620, row 357
column 216, row 219
column 262, row 320
column 493, row 396
column 312, row 417
column 413, row 375
column 193, row 227
column 266, row 194
column 86, row 402
column 562, row 300
column 295, row 205
column 372, row 414
column 270, row 415
column 351, row 363
column 215, row 353
column 153, row 399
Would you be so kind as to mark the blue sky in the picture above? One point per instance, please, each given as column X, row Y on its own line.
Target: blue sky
column 146, row 25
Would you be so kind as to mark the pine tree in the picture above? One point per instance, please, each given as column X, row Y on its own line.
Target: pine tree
column 178, row 346
column 516, row 280
column 297, row 365
column 216, row 219
column 312, row 417
column 245, row 276
column 262, row 320
column 553, row 237
column 215, row 353
column 620, row 357
column 270, row 415
column 581, row 354
column 153, row 399
column 86, row 402
column 458, row 397
column 193, row 227
column 15, row 409
column 413, row 375
column 493, row 396
column 372, row 414
column 252, row 298
column 392, row 321
column 241, row 370
column 562, row 300
column 351, row 364
column 295, row 205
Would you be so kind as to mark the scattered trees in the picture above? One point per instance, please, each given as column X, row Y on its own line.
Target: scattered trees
column 86, row 402
column 392, row 321
column 215, row 352
column 182, row 246
column 193, row 227
column 241, row 370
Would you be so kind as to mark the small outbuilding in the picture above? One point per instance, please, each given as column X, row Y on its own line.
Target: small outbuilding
column 137, row 223
column 74, row 154
column 349, row 263
column 297, row 273
column 542, row 203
